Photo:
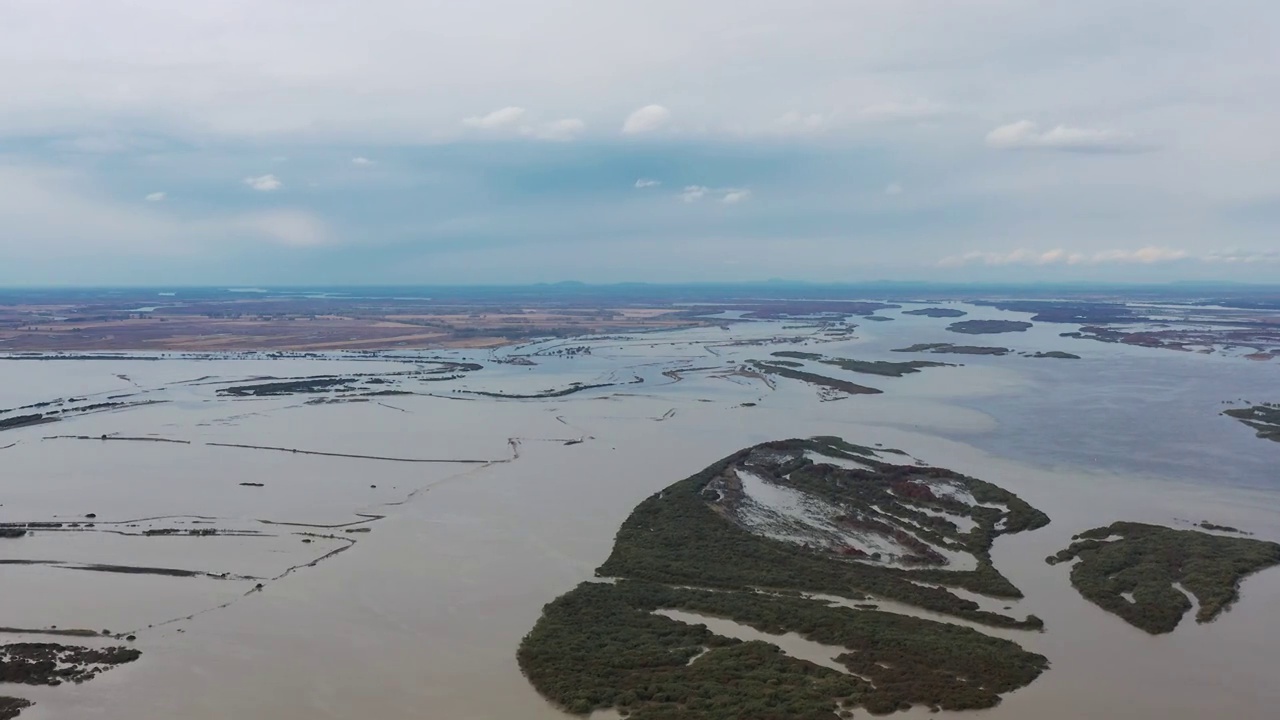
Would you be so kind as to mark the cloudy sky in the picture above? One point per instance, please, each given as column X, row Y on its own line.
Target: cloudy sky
column 430, row 141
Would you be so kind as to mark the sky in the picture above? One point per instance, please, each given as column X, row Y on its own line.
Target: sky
column 512, row 141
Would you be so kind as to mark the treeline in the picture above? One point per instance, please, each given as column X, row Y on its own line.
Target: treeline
column 602, row 646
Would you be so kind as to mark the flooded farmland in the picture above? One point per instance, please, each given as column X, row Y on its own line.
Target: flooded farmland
column 339, row 535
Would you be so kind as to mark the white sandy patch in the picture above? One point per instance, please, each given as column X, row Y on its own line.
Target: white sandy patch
column 845, row 463
column 786, row 514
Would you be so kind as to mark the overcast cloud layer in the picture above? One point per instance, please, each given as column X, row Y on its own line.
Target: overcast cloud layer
column 389, row 141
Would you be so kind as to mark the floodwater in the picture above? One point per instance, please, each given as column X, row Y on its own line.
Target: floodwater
column 421, row 616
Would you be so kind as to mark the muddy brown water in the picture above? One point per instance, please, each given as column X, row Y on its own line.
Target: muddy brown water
column 421, row 618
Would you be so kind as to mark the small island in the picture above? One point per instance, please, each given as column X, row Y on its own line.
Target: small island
column 794, row 536
column 883, row 368
column 1264, row 418
column 53, row 664
column 1145, row 573
column 989, row 327
column 829, row 384
column 936, row 312
column 1055, row 354
column 949, row 349
column 11, row 707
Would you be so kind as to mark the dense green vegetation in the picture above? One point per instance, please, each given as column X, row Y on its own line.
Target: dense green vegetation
column 1264, row 418
column 25, row 420
column 798, row 355
column 289, row 387
column 869, row 367
column 883, row 367
column 1221, row 528
column 1148, row 562
column 677, row 536
column 603, row 646
column 53, row 664
column 12, row 707
column 936, row 312
column 988, row 327
column 949, row 349
column 843, row 386
column 1056, row 354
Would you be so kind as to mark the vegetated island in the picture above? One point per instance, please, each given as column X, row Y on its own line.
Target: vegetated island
column 11, row 707
column 868, row 367
column 1056, row 354
column 949, row 349
column 936, row 312
column 289, row 387
column 1221, row 528
column 1143, row 573
column 1264, row 418
column 53, row 664
column 750, row 539
column 821, row 381
column 989, row 327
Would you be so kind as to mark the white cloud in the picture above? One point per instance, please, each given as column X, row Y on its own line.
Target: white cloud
column 646, row 183
column 362, row 161
column 156, row 197
column 264, row 183
column 1142, row 256
column 506, row 117
column 646, row 119
column 207, row 87
column 1146, row 255
column 694, row 193
column 560, row 130
column 728, row 196
column 1026, row 135
column 893, row 188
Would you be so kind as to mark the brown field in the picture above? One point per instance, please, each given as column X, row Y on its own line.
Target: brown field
column 292, row 326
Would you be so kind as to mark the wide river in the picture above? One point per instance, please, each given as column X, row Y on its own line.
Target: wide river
column 420, row 616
